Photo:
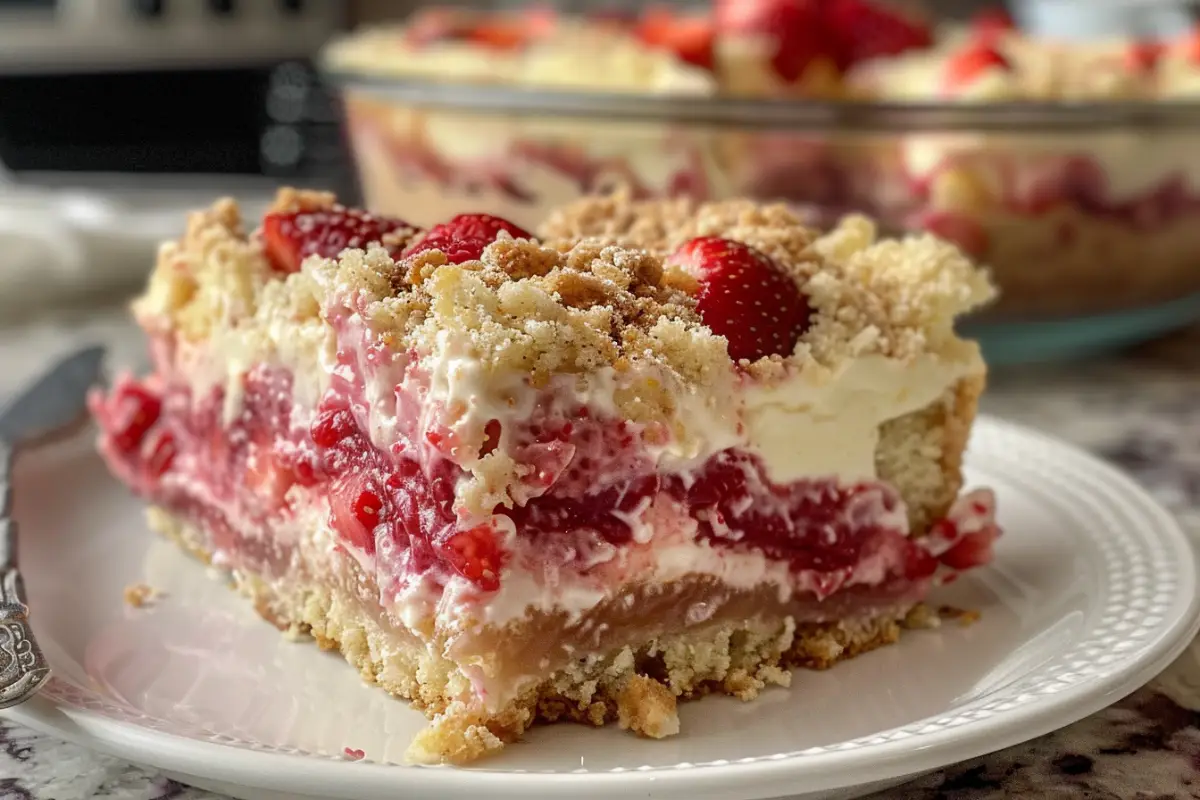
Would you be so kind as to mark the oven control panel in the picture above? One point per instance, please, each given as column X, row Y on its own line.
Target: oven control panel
column 80, row 35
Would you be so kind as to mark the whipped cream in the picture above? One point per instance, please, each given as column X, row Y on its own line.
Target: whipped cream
column 803, row 428
column 1133, row 162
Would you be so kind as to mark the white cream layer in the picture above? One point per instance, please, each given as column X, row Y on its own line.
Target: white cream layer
column 807, row 425
column 651, row 157
column 813, row 424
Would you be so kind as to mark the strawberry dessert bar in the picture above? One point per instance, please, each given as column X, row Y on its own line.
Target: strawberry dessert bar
column 656, row 451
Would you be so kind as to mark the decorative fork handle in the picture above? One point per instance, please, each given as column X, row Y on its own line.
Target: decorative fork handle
column 23, row 667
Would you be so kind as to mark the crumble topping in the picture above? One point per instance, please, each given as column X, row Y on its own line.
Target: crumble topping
column 593, row 295
column 523, row 305
column 529, row 308
column 896, row 298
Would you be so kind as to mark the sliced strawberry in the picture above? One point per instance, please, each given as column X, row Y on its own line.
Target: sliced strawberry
column 866, row 29
column 745, row 296
column 355, row 509
column 291, row 237
column 691, row 38
column 965, row 67
column 1143, row 57
column 465, row 237
column 476, row 555
column 794, row 29
column 134, row 412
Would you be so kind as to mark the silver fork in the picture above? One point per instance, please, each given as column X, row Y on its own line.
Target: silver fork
column 49, row 407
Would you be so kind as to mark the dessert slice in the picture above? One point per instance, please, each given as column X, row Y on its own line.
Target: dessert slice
column 671, row 451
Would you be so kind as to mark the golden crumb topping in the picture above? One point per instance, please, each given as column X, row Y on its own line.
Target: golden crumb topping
column 529, row 308
column 897, row 298
column 593, row 294
column 523, row 306
column 213, row 274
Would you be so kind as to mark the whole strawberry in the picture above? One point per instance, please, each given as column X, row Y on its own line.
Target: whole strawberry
column 794, row 30
column 866, row 29
column 292, row 236
column 745, row 296
column 465, row 237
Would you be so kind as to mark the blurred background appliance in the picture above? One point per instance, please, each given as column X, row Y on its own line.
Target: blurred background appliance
column 100, row 92
column 116, row 115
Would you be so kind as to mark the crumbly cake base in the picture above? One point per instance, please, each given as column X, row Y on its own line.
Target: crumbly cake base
column 637, row 688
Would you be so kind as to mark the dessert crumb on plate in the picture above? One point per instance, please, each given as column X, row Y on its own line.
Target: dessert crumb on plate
column 140, row 595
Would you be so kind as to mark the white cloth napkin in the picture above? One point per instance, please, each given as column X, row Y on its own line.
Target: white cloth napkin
column 62, row 245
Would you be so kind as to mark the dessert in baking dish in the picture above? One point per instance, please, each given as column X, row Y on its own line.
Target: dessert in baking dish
column 424, row 163
column 663, row 451
column 1086, row 218
column 1072, row 217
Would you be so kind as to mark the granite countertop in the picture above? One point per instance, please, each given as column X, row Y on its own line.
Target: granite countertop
column 1140, row 411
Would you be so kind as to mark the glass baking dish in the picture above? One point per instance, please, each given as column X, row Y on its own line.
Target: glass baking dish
column 1078, row 208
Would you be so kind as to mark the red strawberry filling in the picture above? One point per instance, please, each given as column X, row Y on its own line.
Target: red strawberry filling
column 591, row 490
column 867, row 29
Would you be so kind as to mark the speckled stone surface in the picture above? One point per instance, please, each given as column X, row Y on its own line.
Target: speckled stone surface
column 1141, row 411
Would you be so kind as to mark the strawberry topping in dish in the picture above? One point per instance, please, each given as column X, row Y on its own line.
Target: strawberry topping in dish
column 484, row 462
column 293, row 236
column 805, row 32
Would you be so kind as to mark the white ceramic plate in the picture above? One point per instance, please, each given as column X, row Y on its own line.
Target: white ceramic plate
column 1093, row 592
